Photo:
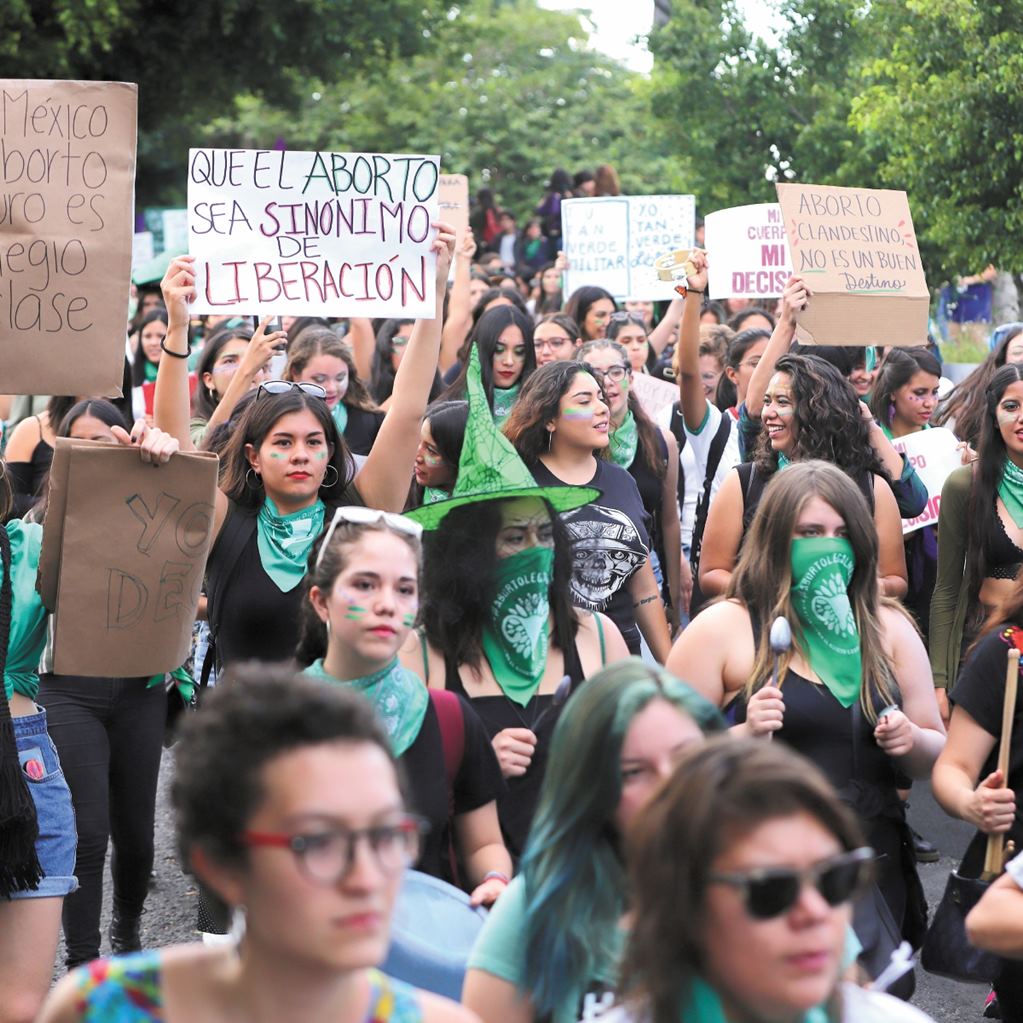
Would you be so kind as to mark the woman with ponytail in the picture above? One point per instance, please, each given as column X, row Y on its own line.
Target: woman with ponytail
column 363, row 597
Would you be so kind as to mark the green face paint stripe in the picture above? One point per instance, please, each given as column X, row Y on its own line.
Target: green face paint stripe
column 408, row 620
column 280, row 456
column 571, row 412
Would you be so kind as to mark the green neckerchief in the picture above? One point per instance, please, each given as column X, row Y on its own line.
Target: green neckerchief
column 783, row 462
column 400, row 697
column 822, row 568
column 515, row 635
column 340, row 414
column 149, row 368
column 887, row 431
column 431, row 494
column 704, row 1006
column 284, row 541
column 624, row 440
column 1010, row 490
column 504, row 398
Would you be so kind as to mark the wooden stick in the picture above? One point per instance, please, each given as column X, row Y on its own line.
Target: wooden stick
column 994, row 859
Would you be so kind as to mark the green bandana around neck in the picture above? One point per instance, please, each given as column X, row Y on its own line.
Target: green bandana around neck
column 504, row 398
column 284, row 541
column 400, row 697
column 431, row 494
column 516, row 634
column 150, row 369
column 1010, row 490
column 705, row 1006
column 822, row 568
column 340, row 415
column 624, row 440
column 783, row 462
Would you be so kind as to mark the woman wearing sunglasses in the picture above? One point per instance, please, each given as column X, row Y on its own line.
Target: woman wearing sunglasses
column 551, row 948
column 310, row 868
column 852, row 689
column 283, row 465
column 743, row 868
column 651, row 456
column 363, row 595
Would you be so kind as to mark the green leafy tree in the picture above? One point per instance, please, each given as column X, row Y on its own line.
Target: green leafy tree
column 190, row 60
column 505, row 93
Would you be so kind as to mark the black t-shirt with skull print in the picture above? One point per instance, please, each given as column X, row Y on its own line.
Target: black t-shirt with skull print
column 610, row 543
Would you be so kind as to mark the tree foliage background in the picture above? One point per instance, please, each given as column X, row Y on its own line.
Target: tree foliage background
column 906, row 94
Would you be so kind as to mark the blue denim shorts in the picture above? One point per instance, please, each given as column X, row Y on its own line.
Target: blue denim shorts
column 58, row 838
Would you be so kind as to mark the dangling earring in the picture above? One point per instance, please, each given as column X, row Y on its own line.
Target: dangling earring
column 251, row 475
column 891, row 412
column 237, row 931
column 550, row 440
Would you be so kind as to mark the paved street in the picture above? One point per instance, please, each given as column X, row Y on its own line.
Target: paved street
column 170, row 912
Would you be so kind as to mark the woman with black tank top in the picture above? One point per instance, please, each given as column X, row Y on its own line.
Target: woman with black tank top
column 651, row 456
column 810, row 411
column 497, row 622
column 980, row 531
column 853, row 692
column 284, row 465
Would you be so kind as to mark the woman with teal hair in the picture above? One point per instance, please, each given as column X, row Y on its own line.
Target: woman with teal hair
column 552, row 944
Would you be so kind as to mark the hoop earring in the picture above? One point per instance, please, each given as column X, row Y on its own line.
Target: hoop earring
column 251, row 475
column 333, row 482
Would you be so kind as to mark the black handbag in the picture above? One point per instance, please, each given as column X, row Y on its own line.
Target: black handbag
column 946, row 950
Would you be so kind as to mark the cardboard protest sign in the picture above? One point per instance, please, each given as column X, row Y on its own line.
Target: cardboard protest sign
column 312, row 234
column 124, row 549
column 934, row 454
column 453, row 203
column 747, row 252
column 654, row 394
column 67, row 168
column 613, row 242
column 857, row 250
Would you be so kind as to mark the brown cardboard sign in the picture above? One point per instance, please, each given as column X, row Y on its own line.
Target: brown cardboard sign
column 124, row 550
column 857, row 251
column 453, row 204
column 67, row 192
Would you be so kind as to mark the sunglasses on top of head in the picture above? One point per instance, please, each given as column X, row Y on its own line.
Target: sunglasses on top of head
column 287, row 386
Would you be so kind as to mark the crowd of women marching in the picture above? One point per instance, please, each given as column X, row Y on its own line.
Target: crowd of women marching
column 651, row 686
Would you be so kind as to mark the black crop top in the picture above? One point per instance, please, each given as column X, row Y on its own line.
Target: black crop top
column 1004, row 558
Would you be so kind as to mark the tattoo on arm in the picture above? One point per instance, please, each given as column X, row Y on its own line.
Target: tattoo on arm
column 647, row 600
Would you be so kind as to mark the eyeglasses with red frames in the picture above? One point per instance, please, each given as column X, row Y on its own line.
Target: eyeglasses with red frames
column 326, row 857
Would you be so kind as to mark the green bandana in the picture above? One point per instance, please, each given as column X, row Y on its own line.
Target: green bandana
column 624, row 441
column 284, row 542
column 1010, row 490
column 704, row 1006
column 515, row 636
column 399, row 696
column 504, row 398
column 783, row 462
column 340, row 414
column 150, row 369
column 431, row 494
column 821, row 570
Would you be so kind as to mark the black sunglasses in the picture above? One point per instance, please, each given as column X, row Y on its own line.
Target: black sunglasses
column 771, row 891
column 286, row 386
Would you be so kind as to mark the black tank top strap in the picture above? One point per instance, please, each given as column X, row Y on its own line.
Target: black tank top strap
column 452, row 679
column 573, row 669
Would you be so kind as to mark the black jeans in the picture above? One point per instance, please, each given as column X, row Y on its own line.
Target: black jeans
column 109, row 734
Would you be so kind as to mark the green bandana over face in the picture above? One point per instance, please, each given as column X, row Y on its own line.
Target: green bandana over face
column 340, row 415
column 516, row 635
column 284, row 542
column 822, row 568
column 504, row 398
column 624, row 441
column 400, row 697
column 1010, row 490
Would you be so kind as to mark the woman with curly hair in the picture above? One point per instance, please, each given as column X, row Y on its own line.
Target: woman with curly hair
column 965, row 409
column 858, row 699
column 809, row 412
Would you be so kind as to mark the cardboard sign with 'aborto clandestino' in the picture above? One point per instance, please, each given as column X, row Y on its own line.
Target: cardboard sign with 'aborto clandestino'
column 857, row 251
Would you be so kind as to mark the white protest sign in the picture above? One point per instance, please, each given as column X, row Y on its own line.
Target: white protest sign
column 747, row 252
column 654, row 394
column 934, row 454
column 142, row 250
column 612, row 242
column 175, row 231
column 301, row 234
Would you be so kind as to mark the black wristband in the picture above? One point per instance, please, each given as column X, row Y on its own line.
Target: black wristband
column 176, row 355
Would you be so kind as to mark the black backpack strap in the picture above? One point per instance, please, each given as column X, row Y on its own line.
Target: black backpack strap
column 677, row 426
column 717, row 449
column 237, row 530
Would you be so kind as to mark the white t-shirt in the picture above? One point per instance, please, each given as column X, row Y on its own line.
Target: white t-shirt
column 859, row 1005
column 693, row 462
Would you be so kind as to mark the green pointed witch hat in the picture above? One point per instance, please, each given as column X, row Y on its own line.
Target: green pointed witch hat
column 490, row 468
